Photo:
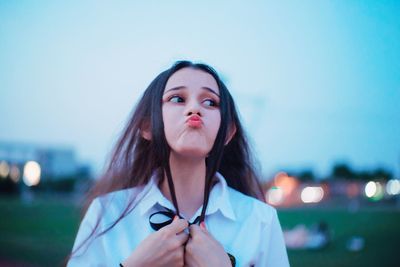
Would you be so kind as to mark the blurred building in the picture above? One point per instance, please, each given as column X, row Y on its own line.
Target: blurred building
column 55, row 162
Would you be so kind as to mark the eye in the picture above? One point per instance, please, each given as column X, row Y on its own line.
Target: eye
column 176, row 99
column 210, row 103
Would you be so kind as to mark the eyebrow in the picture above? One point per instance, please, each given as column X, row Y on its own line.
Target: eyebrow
column 184, row 87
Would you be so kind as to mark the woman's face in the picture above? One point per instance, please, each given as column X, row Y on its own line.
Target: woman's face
column 191, row 112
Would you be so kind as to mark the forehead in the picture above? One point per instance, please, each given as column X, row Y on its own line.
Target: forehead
column 192, row 78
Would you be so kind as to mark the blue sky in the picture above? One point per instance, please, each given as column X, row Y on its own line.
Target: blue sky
column 316, row 82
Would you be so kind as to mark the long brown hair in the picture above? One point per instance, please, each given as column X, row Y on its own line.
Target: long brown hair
column 135, row 159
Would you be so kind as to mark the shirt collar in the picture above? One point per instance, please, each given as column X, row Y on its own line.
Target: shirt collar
column 219, row 198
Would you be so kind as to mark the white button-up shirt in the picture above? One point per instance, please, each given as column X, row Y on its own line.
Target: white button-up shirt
column 246, row 227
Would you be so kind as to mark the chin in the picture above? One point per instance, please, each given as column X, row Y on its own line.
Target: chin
column 192, row 152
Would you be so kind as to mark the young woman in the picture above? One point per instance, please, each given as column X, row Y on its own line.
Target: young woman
column 180, row 188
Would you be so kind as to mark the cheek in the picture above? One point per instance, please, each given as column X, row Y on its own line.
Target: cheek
column 215, row 123
column 171, row 123
column 168, row 122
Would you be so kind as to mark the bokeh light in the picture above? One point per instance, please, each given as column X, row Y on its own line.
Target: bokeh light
column 4, row 169
column 31, row 173
column 374, row 190
column 274, row 195
column 393, row 187
column 370, row 189
column 312, row 194
column 287, row 183
column 352, row 190
column 15, row 174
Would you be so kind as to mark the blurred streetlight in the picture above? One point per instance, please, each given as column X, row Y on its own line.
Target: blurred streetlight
column 4, row 169
column 283, row 187
column 393, row 187
column 15, row 173
column 312, row 194
column 374, row 190
column 287, row 183
column 31, row 173
column 274, row 195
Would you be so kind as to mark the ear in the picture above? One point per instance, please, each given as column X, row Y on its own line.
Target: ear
column 231, row 133
column 145, row 131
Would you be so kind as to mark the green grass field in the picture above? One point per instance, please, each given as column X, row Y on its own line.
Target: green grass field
column 42, row 234
column 379, row 228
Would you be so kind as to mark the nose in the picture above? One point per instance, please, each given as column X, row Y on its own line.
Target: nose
column 193, row 108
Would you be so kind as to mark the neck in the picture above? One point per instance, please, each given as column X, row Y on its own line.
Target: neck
column 188, row 175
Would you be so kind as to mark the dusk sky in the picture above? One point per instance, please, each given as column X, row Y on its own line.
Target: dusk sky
column 316, row 82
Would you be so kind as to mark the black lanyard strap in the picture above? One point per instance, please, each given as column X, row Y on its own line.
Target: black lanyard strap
column 157, row 226
column 170, row 214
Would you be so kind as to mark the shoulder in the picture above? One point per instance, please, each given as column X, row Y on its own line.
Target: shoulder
column 114, row 203
column 120, row 196
column 249, row 207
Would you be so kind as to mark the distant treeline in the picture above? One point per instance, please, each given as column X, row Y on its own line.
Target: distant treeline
column 345, row 172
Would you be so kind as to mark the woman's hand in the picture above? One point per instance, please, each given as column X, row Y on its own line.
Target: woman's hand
column 203, row 250
column 162, row 248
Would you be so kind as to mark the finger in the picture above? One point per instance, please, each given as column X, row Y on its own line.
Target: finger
column 194, row 230
column 203, row 227
column 177, row 226
column 182, row 237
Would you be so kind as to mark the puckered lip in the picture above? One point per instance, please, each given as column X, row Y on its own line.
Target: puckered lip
column 194, row 118
column 194, row 121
